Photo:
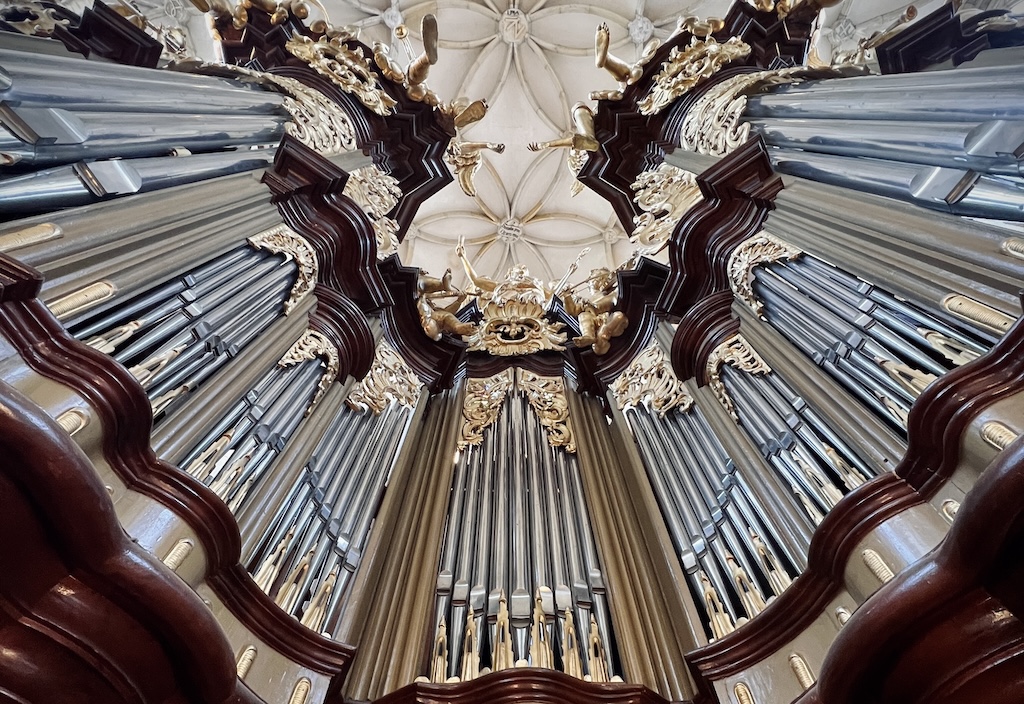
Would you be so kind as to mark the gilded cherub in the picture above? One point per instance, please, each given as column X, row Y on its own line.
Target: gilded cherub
column 583, row 136
column 414, row 77
column 438, row 320
column 465, row 158
column 598, row 322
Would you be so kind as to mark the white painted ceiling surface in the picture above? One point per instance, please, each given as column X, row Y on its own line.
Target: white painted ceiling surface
column 532, row 60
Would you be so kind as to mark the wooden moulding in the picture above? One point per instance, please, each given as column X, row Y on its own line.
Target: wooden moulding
column 435, row 363
column 519, row 685
column 126, row 416
column 308, row 189
column 738, row 195
column 942, row 412
column 80, row 598
column 949, row 628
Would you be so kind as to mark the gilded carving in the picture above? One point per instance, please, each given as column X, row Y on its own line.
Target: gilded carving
column 598, row 320
column 390, row 379
column 484, row 398
column 436, row 319
column 317, row 121
column 414, row 77
column 624, row 73
column 513, row 313
column 346, row 67
column 465, row 159
column 738, row 353
column 313, row 345
column 649, row 380
column 762, row 248
column 547, row 398
column 377, row 193
column 664, row 194
column 575, row 160
column 582, row 138
column 713, row 126
column 686, row 68
column 284, row 240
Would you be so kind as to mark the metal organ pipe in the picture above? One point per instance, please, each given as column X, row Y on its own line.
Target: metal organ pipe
column 518, row 544
column 727, row 547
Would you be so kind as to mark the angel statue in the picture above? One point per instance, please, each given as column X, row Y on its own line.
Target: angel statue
column 437, row 320
column 598, row 322
column 465, row 158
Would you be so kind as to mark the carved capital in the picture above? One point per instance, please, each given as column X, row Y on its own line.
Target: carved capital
column 738, row 353
column 390, row 379
column 649, row 380
column 762, row 248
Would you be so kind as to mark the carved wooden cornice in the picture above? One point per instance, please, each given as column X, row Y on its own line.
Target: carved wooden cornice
column 435, row 363
column 803, row 602
column 341, row 321
column 126, row 416
column 739, row 192
column 958, row 609
column 137, row 632
column 308, row 191
column 523, row 684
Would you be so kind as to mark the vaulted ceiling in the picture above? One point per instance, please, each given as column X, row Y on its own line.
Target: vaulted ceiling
column 532, row 60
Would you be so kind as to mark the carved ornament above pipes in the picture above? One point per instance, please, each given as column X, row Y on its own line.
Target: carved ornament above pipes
column 738, row 353
column 664, row 194
column 390, row 379
column 649, row 380
column 687, row 67
column 284, row 240
column 762, row 248
column 313, row 345
column 484, row 398
column 344, row 66
column 712, row 124
column 546, row 396
column 377, row 193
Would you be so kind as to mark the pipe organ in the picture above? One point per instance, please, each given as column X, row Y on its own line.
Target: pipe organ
column 252, row 459
column 520, row 581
